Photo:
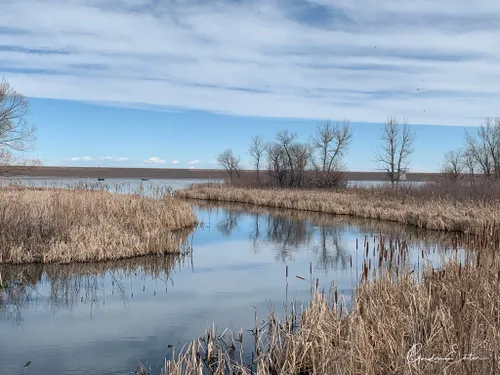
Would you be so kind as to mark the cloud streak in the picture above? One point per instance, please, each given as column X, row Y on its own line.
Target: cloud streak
column 435, row 62
column 154, row 160
column 97, row 159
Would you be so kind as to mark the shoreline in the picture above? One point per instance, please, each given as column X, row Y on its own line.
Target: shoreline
column 51, row 172
column 437, row 214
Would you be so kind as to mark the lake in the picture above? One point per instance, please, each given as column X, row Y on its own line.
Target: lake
column 103, row 318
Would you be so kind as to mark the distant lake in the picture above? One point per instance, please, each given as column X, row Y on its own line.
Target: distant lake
column 126, row 185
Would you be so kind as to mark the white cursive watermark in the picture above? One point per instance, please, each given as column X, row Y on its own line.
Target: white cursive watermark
column 413, row 356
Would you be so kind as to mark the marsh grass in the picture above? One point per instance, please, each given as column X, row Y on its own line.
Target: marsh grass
column 81, row 225
column 428, row 207
column 448, row 323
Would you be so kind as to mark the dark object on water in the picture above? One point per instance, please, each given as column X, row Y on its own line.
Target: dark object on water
column 100, row 179
column 145, row 179
column 27, row 364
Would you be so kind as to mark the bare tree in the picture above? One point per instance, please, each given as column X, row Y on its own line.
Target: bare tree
column 285, row 140
column 469, row 163
column 396, row 149
column 453, row 165
column 277, row 164
column 16, row 134
column 301, row 157
column 331, row 143
column 484, row 148
column 256, row 150
column 230, row 162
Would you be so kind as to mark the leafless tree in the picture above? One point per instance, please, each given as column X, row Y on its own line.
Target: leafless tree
column 277, row 164
column 484, row 148
column 331, row 143
column 396, row 148
column 288, row 160
column 230, row 162
column 301, row 157
column 453, row 165
column 256, row 150
column 16, row 134
column 286, row 140
column 469, row 163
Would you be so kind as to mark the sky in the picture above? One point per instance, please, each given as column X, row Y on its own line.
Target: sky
column 173, row 83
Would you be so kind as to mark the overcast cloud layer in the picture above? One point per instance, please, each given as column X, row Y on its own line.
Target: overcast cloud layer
column 432, row 61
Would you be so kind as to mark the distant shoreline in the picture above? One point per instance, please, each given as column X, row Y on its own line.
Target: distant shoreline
column 170, row 173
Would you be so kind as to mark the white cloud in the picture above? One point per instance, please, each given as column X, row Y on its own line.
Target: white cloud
column 191, row 162
column 175, row 161
column 154, row 160
column 362, row 59
column 98, row 159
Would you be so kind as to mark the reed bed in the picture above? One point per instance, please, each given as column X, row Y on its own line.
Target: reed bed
column 397, row 325
column 436, row 212
column 39, row 225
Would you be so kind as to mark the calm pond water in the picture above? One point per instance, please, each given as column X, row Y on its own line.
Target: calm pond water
column 104, row 318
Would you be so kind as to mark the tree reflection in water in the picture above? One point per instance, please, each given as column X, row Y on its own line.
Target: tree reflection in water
column 323, row 234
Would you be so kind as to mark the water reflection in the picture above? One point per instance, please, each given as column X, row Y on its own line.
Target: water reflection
column 64, row 287
column 114, row 314
column 287, row 232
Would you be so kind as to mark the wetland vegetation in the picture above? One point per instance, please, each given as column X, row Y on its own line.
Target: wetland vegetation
column 82, row 225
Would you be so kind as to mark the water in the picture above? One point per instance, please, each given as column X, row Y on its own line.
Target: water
column 103, row 318
column 124, row 185
column 115, row 185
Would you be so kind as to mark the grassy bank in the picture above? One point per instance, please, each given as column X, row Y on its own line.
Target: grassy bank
column 430, row 207
column 58, row 225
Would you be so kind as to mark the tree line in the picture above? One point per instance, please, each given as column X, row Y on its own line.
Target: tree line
column 319, row 163
column 478, row 156
column 286, row 162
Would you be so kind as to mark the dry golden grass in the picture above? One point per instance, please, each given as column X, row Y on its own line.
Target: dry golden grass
column 57, row 225
column 449, row 323
column 436, row 213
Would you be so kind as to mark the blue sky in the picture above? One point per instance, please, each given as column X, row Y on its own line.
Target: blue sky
column 171, row 84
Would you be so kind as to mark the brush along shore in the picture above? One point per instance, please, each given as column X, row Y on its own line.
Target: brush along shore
column 448, row 323
column 428, row 207
column 63, row 226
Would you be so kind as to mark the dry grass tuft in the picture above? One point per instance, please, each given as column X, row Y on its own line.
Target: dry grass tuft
column 58, row 225
column 411, row 207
